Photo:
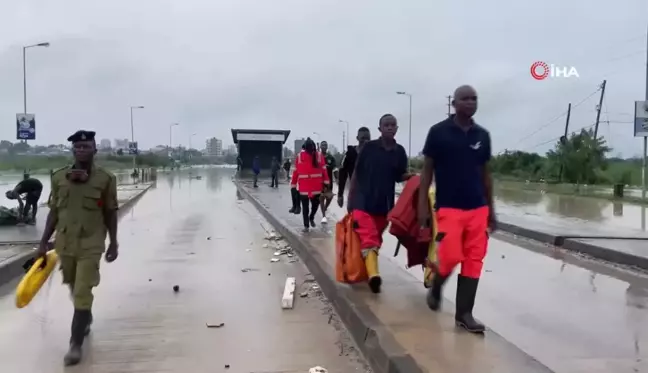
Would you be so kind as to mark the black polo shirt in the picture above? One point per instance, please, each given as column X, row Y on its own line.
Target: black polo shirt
column 376, row 173
column 458, row 157
column 30, row 185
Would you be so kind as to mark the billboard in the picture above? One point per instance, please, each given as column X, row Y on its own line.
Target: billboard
column 132, row 147
column 641, row 119
column 25, row 127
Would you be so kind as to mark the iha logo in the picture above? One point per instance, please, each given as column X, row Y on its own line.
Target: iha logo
column 541, row 71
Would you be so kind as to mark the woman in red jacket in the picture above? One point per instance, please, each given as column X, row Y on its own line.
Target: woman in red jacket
column 309, row 178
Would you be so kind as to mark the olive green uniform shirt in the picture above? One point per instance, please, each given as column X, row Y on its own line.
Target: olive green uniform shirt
column 80, row 207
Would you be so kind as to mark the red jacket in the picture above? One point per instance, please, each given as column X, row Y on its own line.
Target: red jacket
column 404, row 224
column 309, row 180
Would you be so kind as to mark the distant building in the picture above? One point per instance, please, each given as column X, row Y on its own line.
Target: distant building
column 298, row 144
column 104, row 144
column 232, row 150
column 121, row 144
column 214, row 147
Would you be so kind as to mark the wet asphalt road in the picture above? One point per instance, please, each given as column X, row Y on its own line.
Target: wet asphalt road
column 570, row 313
column 196, row 234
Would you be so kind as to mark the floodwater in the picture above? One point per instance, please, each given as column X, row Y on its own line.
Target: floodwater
column 561, row 209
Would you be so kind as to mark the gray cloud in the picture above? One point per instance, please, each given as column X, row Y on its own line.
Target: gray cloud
column 303, row 65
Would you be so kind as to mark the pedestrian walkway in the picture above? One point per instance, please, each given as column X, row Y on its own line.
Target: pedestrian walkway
column 197, row 235
column 546, row 308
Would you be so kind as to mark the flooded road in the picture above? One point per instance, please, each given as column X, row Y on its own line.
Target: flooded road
column 198, row 235
column 572, row 314
column 570, row 208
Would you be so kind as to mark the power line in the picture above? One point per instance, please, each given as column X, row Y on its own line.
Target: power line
column 558, row 138
column 547, row 124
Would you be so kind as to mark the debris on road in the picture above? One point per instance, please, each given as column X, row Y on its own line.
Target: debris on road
column 265, row 246
column 272, row 236
column 304, row 294
column 220, row 325
column 274, row 260
column 317, row 370
column 288, row 298
column 248, row 270
column 208, row 238
column 176, row 288
column 248, row 250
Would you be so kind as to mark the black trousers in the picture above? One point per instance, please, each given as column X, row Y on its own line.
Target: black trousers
column 314, row 205
column 275, row 181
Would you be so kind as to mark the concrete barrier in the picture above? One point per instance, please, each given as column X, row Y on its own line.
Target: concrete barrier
column 13, row 267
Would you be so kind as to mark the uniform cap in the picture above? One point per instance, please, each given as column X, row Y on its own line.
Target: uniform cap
column 82, row 135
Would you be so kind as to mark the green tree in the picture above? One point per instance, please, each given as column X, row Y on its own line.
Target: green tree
column 581, row 158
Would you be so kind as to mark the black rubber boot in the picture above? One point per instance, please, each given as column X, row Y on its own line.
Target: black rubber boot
column 466, row 291
column 80, row 323
column 435, row 292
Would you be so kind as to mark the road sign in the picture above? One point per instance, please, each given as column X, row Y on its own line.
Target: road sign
column 25, row 127
column 132, row 147
column 641, row 119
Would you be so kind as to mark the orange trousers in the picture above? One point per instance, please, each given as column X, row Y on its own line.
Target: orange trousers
column 462, row 237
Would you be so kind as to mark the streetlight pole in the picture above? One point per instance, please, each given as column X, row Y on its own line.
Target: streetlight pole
column 25, row 71
column 409, row 150
column 347, row 134
column 24, row 56
column 133, row 134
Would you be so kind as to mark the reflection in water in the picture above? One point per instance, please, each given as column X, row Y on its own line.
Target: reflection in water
column 617, row 209
column 214, row 181
column 637, row 296
column 590, row 209
column 591, row 281
column 518, row 197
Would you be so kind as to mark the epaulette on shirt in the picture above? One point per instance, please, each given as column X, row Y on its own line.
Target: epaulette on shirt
column 64, row 168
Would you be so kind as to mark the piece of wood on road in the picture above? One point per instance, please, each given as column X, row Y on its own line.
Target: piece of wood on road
column 288, row 298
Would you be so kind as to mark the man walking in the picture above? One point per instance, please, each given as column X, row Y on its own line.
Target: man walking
column 349, row 161
column 274, row 170
column 381, row 164
column 327, row 194
column 286, row 167
column 83, row 209
column 256, row 169
column 457, row 151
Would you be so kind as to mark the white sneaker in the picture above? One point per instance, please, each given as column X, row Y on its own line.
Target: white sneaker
column 324, row 220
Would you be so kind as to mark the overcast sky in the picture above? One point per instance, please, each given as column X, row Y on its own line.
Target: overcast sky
column 212, row 65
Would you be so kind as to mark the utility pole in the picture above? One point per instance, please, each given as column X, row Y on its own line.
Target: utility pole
column 598, row 110
column 563, row 140
column 449, row 105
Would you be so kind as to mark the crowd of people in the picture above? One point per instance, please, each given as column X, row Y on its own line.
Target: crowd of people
column 456, row 152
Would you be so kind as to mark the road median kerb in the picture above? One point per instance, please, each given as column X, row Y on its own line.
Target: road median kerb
column 380, row 348
column 12, row 268
column 572, row 243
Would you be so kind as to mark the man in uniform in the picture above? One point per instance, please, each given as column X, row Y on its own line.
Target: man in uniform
column 83, row 209
column 32, row 189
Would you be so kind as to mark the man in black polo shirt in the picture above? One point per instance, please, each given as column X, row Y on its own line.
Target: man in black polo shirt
column 349, row 161
column 32, row 189
column 457, row 151
column 381, row 164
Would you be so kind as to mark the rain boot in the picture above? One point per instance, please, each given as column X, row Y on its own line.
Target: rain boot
column 371, row 262
column 466, row 291
column 435, row 292
column 80, row 323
